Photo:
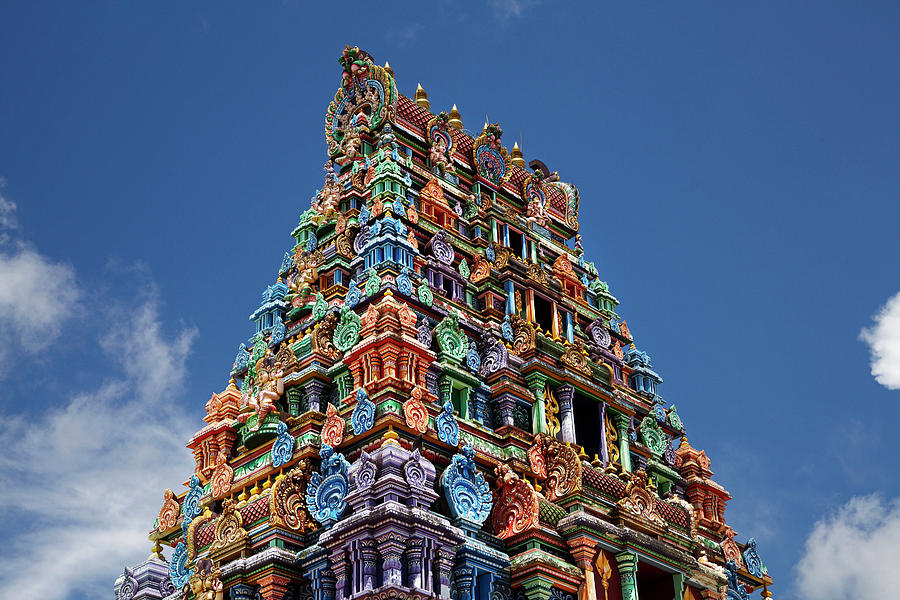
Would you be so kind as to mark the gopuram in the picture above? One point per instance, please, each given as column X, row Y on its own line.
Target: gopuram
column 439, row 399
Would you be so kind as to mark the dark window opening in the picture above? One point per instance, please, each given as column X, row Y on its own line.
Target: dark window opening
column 654, row 584
column 516, row 243
column 588, row 426
column 543, row 313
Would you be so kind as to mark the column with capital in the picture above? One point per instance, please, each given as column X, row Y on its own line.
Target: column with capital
column 622, row 424
column 565, row 395
column 273, row 587
column 537, row 383
column 627, row 563
column 241, row 591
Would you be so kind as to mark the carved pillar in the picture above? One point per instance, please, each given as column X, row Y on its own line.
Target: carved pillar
column 464, row 577
column 444, row 560
column 479, row 404
column 314, row 391
column 604, row 449
column 622, row 423
column 241, row 591
column 445, row 390
column 537, row 383
column 507, row 405
column 273, row 587
column 627, row 562
column 678, row 584
column 414, row 563
column 315, row 568
column 583, row 551
column 565, row 395
column 345, row 386
column 391, row 566
column 340, row 566
column 369, row 551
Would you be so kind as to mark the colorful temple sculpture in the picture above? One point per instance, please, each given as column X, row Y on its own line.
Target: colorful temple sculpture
column 439, row 399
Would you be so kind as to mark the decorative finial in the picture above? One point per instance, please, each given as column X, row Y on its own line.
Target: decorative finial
column 156, row 552
column 422, row 97
column 390, row 436
column 516, row 156
column 387, row 67
column 455, row 118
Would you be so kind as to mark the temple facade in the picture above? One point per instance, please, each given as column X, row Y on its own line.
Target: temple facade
column 439, row 399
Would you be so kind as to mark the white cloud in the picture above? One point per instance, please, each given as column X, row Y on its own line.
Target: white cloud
column 83, row 483
column 8, row 219
column 883, row 339
column 511, row 8
column 37, row 295
column 851, row 554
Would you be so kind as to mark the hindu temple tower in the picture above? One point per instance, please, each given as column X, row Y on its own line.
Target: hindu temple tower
column 439, row 400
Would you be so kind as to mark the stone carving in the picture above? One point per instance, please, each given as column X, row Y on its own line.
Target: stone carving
column 220, row 484
column 129, row 586
column 168, row 514
column 346, row 334
column 327, row 490
column 465, row 488
column 283, row 448
column 556, row 462
column 414, row 471
column 414, row 411
column 363, row 413
column 287, row 503
column 516, row 504
column 652, row 436
column 639, row 500
column 323, row 333
column 752, row 560
column 191, row 506
column 446, row 425
column 491, row 159
column 229, row 527
column 523, row 335
column 333, row 428
column 178, row 570
column 450, row 339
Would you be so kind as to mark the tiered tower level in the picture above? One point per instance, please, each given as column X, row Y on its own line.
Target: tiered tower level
column 439, row 399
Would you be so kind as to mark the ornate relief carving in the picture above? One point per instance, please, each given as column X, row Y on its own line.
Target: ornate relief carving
column 333, row 428
column 222, row 477
column 287, row 503
column 229, row 527
column 168, row 514
column 516, row 505
column 415, row 412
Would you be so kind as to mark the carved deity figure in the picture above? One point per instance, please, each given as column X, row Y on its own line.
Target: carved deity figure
column 206, row 583
column 307, row 273
column 328, row 199
column 270, row 384
column 438, row 156
column 536, row 211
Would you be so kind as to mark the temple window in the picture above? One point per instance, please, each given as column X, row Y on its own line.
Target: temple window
column 588, row 426
column 543, row 313
column 516, row 242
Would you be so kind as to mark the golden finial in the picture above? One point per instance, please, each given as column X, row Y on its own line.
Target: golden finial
column 455, row 118
column 232, row 383
column 516, row 155
column 156, row 552
column 390, row 437
column 387, row 67
column 422, row 97
column 388, row 292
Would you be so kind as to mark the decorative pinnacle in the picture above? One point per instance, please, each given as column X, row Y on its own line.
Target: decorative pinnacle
column 516, row 156
column 422, row 97
column 455, row 118
column 390, row 437
column 387, row 67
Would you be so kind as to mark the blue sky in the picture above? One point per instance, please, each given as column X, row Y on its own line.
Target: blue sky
column 738, row 170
